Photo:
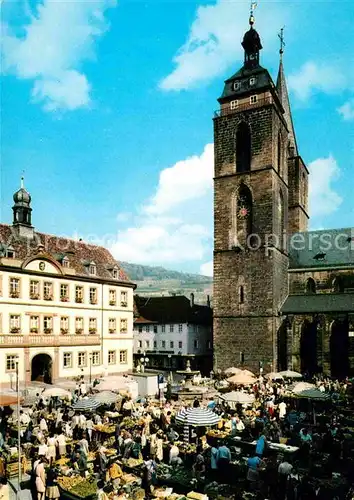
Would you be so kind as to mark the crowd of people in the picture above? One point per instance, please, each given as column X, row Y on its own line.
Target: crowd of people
column 274, row 439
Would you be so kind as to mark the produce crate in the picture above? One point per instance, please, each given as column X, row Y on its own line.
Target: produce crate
column 12, row 469
column 67, row 495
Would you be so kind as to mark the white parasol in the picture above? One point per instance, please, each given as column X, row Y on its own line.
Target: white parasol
column 245, row 377
column 238, row 397
column 55, row 392
column 290, row 374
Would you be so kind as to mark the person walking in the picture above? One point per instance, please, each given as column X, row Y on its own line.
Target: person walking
column 40, row 479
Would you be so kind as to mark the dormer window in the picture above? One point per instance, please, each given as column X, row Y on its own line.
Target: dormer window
column 92, row 269
column 65, row 262
column 234, row 104
column 115, row 273
column 253, row 99
column 252, row 81
column 10, row 253
column 236, row 86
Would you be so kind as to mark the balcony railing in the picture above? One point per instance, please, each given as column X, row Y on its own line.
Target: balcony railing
column 48, row 340
column 242, row 107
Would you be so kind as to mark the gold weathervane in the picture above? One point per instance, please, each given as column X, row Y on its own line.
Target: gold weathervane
column 252, row 9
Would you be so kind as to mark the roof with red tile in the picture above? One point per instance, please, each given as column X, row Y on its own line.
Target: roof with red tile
column 79, row 253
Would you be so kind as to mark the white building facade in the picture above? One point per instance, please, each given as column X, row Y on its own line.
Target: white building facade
column 170, row 330
column 66, row 307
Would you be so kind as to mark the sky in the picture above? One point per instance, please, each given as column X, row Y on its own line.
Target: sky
column 107, row 106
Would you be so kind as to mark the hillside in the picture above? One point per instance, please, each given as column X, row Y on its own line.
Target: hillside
column 157, row 281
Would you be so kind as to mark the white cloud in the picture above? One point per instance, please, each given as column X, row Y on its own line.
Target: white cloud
column 347, row 110
column 51, row 48
column 175, row 225
column 322, row 197
column 214, row 41
column 207, row 269
column 314, row 77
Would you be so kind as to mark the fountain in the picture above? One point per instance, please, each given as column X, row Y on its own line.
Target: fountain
column 189, row 391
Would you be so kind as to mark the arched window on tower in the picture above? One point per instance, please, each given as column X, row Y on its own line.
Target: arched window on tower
column 279, row 154
column 243, row 148
column 241, row 294
column 281, row 217
column 310, row 286
column 244, row 214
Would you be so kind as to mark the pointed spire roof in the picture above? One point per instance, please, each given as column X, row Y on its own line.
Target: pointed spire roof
column 284, row 99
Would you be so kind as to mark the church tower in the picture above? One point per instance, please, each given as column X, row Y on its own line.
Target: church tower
column 22, row 213
column 256, row 200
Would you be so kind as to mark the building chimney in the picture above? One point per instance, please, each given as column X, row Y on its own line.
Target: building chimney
column 208, row 300
column 192, row 300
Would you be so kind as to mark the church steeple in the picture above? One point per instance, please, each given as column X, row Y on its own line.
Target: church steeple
column 284, row 98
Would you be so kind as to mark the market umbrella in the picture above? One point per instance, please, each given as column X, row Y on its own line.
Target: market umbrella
column 86, row 404
column 232, row 370
column 238, row 397
column 243, row 378
column 313, row 395
column 55, row 392
column 107, row 397
column 274, row 376
column 290, row 374
column 302, row 386
column 196, row 417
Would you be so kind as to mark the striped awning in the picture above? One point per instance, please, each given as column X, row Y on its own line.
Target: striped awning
column 197, row 417
column 107, row 397
column 86, row 404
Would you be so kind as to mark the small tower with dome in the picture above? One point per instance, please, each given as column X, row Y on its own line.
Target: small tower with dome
column 22, row 212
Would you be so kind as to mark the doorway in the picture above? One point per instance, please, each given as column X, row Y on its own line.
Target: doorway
column 41, row 368
column 308, row 348
column 339, row 349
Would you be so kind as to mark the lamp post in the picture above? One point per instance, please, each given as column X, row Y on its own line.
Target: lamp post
column 144, row 361
column 90, row 359
column 170, row 367
column 18, row 426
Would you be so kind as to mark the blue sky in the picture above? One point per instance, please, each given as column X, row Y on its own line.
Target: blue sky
column 107, row 107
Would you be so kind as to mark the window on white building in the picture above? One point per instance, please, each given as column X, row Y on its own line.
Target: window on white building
column 95, row 358
column 93, row 295
column 196, row 344
column 112, row 325
column 171, row 328
column 14, row 291
column 64, row 325
column 48, row 290
column 171, row 344
column 155, row 344
column 123, row 357
column 140, row 329
column 93, row 325
column 163, row 328
column 163, row 344
column 180, row 328
column 79, row 325
column 155, row 328
column 112, row 357
column 34, row 290
column 48, row 324
column 79, row 294
column 67, row 360
column 81, row 359
column 180, row 345
column 112, row 297
column 147, row 328
column 123, row 325
column 140, row 344
column 115, row 273
column 147, row 344
column 123, row 299
column 15, row 323
column 64, row 292
column 34, row 324
column 11, row 360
